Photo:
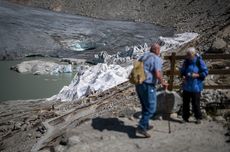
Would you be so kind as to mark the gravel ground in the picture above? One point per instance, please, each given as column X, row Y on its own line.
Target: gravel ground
column 118, row 134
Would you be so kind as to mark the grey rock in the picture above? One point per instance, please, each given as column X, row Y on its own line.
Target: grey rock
column 17, row 126
column 64, row 140
column 80, row 147
column 218, row 46
column 168, row 102
column 74, row 140
column 219, row 119
column 38, row 135
column 29, row 135
column 41, row 129
column 24, row 127
column 60, row 148
column 204, row 113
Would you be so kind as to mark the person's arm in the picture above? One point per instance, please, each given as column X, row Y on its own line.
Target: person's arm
column 204, row 69
column 158, row 73
column 160, row 78
column 182, row 69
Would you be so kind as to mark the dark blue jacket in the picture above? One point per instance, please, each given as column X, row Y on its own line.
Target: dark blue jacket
column 190, row 66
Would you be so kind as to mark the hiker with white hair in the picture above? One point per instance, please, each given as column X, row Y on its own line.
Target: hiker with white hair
column 194, row 71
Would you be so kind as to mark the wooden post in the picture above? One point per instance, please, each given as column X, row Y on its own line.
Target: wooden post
column 172, row 70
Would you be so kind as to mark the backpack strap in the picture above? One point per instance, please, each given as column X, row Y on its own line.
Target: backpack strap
column 198, row 64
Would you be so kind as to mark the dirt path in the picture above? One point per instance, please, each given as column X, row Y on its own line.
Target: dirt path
column 118, row 134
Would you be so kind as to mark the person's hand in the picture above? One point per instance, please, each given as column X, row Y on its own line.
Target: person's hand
column 165, row 85
column 195, row 75
column 183, row 79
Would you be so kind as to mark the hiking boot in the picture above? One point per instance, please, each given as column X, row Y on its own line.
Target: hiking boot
column 150, row 127
column 198, row 121
column 143, row 133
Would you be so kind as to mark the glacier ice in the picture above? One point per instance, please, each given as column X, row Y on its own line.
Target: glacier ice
column 112, row 70
column 39, row 67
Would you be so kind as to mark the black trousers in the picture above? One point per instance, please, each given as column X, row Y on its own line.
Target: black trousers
column 195, row 98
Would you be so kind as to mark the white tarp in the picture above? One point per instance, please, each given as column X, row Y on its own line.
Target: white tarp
column 96, row 78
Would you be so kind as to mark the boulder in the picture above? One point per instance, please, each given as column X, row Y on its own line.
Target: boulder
column 168, row 102
column 80, row 147
column 60, row 148
column 219, row 119
column 73, row 140
column 218, row 46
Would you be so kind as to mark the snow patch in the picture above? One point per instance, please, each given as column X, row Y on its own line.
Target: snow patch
column 177, row 41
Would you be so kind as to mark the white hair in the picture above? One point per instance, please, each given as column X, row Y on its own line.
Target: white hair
column 191, row 50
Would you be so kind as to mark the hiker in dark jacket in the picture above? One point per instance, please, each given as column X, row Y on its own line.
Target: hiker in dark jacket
column 194, row 72
column 147, row 90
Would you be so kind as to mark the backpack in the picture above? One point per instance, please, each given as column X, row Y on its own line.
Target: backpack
column 137, row 75
column 198, row 64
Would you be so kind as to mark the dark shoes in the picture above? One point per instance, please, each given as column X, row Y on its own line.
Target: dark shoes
column 185, row 121
column 150, row 127
column 143, row 132
column 198, row 121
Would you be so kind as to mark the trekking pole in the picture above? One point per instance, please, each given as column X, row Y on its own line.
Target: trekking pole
column 169, row 113
column 171, row 79
column 169, row 126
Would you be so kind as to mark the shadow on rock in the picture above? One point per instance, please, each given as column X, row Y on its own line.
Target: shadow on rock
column 113, row 124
